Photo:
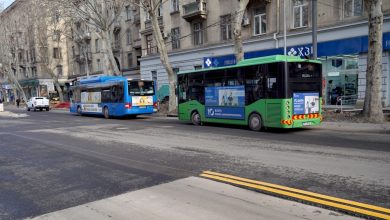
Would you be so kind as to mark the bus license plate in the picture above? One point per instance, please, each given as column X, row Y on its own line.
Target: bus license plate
column 307, row 123
column 142, row 107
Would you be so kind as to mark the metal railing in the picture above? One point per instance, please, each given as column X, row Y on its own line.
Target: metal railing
column 344, row 101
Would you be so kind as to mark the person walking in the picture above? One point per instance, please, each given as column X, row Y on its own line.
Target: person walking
column 17, row 102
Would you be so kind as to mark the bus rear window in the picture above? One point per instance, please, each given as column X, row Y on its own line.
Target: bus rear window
column 304, row 70
column 141, row 88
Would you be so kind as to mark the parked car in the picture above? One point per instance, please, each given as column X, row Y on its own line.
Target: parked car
column 38, row 103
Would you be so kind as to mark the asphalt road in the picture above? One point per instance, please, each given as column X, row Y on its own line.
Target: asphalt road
column 55, row 160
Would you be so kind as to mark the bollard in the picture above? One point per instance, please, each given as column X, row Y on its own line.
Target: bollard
column 1, row 107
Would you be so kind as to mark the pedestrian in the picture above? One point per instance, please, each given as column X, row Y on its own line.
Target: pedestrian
column 17, row 102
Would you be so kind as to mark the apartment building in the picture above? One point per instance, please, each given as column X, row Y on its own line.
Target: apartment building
column 198, row 34
column 86, row 48
column 35, row 49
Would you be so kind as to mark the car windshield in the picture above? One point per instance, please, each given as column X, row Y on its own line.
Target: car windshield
column 141, row 88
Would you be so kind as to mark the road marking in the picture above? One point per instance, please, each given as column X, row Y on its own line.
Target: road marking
column 343, row 204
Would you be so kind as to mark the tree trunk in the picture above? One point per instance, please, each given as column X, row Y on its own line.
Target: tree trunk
column 109, row 55
column 165, row 61
column 372, row 110
column 59, row 90
column 238, row 46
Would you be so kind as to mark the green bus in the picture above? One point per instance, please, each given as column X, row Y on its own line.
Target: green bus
column 274, row 91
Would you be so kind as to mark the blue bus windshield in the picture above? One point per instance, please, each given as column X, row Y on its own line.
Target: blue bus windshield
column 141, row 88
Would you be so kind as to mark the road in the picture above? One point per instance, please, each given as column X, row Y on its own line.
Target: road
column 55, row 160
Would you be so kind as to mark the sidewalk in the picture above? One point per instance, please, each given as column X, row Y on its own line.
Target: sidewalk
column 355, row 127
column 194, row 198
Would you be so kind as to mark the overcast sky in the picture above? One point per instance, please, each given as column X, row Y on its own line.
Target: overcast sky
column 6, row 2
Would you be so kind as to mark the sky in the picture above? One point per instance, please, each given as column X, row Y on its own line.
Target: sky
column 6, row 3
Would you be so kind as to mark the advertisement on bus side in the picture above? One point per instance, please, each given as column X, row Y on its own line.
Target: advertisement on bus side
column 225, row 102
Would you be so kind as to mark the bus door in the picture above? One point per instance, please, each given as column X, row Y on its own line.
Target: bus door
column 116, row 99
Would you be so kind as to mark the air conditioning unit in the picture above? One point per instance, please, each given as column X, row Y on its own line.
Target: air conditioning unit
column 245, row 21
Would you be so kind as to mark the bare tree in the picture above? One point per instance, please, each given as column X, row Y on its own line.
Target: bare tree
column 238, row 46
column 102, row 16
column 151, row 7
column 372, row 110
column 10, row 29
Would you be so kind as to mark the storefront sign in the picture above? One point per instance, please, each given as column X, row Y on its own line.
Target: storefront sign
column 306, row 103
column 225, row 102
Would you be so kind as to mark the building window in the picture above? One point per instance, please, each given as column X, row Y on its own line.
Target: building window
column 99, row 65
column 129, row 60
column 174, row 5
column 97, row 46
column 260, row 22
column 198, row 33
column 149, row 44
column 59, row 71
column 175, row 38
column 128, row 12
column 128, row 36
column 226, row 27
column 56, row 35
column 57, row 53
column 300, row 13
column 352, row 8
column 117, row 40
column 147, row 15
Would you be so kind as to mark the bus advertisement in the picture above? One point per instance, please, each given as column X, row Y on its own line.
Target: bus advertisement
column 256, row 92
column 113, row 96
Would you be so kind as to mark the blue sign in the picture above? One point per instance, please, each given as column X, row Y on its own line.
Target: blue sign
column 306, row 103
column 225, row 102
column 225, row 112
column 220, row 61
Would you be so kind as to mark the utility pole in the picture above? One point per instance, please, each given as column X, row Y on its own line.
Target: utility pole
column 314, row 27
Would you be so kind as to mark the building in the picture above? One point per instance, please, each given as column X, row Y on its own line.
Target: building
column 198, row 34
column 86, row 47
column 37, row 50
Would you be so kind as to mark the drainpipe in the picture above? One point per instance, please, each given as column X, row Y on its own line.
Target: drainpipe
column 277, row 24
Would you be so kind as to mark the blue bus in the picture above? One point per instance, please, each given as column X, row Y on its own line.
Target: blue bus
column 113, row 96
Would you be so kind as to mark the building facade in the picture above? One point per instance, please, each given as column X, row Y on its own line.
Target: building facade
column 86, row 47
column 36, row 51
column 198, row 34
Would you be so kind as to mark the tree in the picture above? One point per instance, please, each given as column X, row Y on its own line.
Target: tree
column 102, row 17
column 372, row 110
column 10, row 29
column 152, row 7
column 238, row 47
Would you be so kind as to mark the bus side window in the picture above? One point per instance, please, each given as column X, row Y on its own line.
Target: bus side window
column 106, row 95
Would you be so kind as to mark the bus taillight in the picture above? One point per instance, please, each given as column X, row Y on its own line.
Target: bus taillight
column 155, row 105
column 128, row 105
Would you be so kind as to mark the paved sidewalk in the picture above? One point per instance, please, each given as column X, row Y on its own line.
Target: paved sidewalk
column 194, row 198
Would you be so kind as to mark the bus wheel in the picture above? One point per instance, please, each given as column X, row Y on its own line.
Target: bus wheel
column 195, row 118
column 105, row 113
column 78, row 110
column 255, row 122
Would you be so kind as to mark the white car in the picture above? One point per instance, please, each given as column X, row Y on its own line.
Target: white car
column 38, row 103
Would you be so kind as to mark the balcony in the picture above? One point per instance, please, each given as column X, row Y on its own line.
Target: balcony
column 148, row 23
column 195, row 10
column 137, row 43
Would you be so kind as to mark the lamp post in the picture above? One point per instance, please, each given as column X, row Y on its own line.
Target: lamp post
column 314, row 27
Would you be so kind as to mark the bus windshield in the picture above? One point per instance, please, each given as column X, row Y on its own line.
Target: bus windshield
column 141, row 88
